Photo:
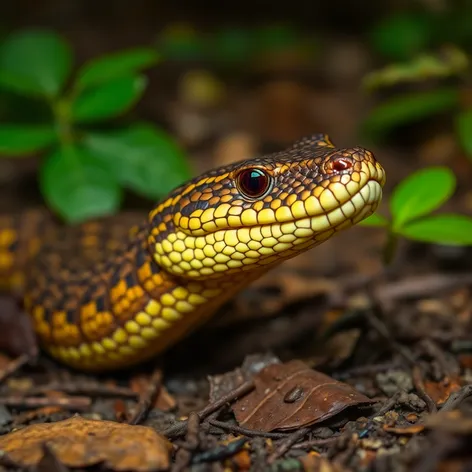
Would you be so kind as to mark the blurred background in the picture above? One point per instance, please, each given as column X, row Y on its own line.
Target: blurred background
column 107, row 105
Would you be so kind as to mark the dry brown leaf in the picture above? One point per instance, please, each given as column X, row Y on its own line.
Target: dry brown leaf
column 292, row 395
column 404, row 430
column 441, row 391
column 164, row 400
column 79, row 442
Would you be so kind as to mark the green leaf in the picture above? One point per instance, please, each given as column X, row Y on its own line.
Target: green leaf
column 464, row 130
column 109, row 99
column 115, row 65
column 275, row 37
column 409, row 108
column 78, row 186
column 35, row 63
column 232, row 45
column 375, row 220
column 449, row 61
column 182, row 43
column 17, row 140
column 420, row 193
column 402, row 35
column 449, row 229
column 142, row 157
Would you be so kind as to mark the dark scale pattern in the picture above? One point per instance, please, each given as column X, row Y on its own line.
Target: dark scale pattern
column 302, row 167
column 111, row 293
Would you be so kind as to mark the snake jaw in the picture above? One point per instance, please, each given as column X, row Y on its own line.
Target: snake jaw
column 314, row 195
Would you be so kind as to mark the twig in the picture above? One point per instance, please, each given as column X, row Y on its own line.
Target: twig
column 180, row 428
column 70, row 403
column 14, row 366
column 186, row 450
column 220, row 452
column 391, row 402
column 433, row 350
column 456, row 398
column 231, row 428
column 316, row 442
column 91, row 390
column 147, row 399
column 367, row 370
column 383, row 331
column 285, row 445
column 421, row 391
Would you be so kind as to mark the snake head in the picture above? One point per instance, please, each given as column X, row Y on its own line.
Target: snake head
column 256, row 213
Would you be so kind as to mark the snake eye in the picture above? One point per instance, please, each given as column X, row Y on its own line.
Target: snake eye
column 253, row 183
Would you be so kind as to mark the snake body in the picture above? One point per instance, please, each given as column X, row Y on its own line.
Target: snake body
column 109, row 296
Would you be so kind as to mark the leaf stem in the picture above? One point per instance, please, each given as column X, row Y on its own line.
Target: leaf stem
column 61, row 111
column 390, row 247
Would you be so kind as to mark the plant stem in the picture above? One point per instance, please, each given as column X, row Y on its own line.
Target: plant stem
column 390, row 247
column 61, row 111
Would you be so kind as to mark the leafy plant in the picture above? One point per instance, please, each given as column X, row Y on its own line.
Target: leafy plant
column 411, row 205
column 415, row 41
column 232, row 46
column 85, row 170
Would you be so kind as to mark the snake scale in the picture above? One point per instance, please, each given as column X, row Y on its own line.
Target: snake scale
column 107, row 296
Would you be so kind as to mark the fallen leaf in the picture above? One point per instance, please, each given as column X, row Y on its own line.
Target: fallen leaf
column 292, row 395
column 412, row 417
column 441, row 391
column 164, row 400
column 79, row 442
column 221, row 385
column 405, row 430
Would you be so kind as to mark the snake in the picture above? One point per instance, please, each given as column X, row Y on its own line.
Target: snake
column 109, row 294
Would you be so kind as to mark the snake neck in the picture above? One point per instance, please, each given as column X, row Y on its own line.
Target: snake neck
column 119, row 311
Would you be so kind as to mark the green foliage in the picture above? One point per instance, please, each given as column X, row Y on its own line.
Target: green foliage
column 17, row 140
column 232, row 46
column 84, row 172
column 448, row 62
column 411, row 204
column 425, row 46
column 128, row 154
column 411, row 31
column 35, row 63
column 76, row 184
column 464, row 131
column 114, row 65
column 421, row 193
column 108, row 99
column 400, row 36
column 408, row 108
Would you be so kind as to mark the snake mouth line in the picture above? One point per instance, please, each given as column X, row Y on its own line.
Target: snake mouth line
column 361, row 204
column 236, row 249
column 369, row 199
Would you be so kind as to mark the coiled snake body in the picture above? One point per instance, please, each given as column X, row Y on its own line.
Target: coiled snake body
column 122, row 295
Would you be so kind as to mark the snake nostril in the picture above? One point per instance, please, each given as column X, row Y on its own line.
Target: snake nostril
column 341, row 163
